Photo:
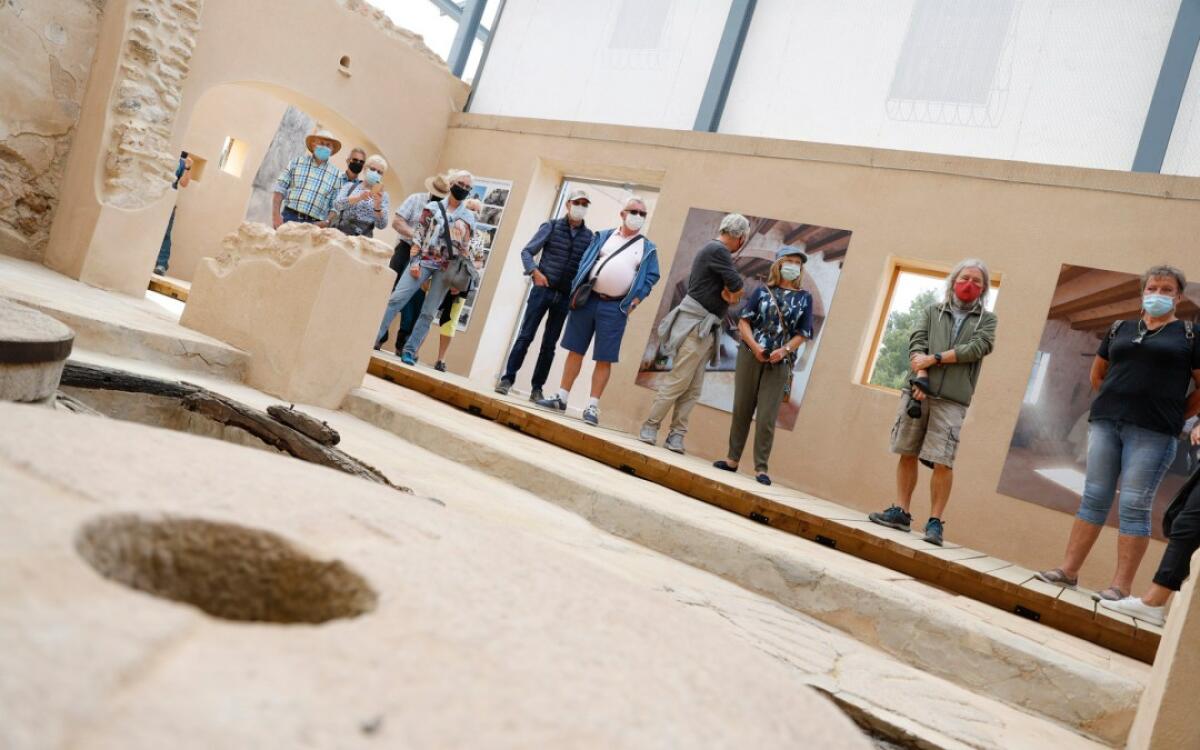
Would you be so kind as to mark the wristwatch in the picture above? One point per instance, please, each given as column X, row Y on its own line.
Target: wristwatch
column 938, row 357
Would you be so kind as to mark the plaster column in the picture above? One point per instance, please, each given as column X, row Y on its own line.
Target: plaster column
column 1166, row 717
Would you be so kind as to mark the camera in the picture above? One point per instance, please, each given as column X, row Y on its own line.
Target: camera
column 914, row 406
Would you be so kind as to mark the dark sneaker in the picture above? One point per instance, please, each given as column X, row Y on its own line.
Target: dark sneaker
column 536, row 395
column 591, row 415
column 554, row 404
column 440, row 366
column 408, row 359
column 160, row 271
column 504, row 386
column 894, row 517
column 934, row 529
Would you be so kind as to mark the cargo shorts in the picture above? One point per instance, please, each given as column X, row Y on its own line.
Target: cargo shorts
column 933, row 437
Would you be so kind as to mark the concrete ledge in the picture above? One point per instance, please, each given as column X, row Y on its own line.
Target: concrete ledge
column 850, row 594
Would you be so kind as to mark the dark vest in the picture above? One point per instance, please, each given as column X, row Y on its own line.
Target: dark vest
column 561, row 254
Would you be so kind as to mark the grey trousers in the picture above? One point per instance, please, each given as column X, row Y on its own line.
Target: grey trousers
column 757, row 391
column 682, row 385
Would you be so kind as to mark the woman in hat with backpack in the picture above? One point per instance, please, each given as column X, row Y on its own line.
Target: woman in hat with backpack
column 776, row 320
column 1142, row 371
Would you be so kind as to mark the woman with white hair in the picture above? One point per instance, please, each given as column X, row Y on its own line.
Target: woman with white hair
column 946, row 352
column 361, row 206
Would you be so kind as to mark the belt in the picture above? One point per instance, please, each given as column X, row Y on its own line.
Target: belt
column 606, row 298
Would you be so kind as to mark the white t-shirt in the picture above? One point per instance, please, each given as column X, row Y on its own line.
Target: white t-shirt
column 617, row 276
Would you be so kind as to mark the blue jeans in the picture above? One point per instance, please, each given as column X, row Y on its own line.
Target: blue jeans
column 289, row 214
column 543, row 302
column 403, row 292
column 1139, row 458
column 164, row 250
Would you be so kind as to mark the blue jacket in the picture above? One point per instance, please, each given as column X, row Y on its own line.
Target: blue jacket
column 647, row 275
column 560, row 251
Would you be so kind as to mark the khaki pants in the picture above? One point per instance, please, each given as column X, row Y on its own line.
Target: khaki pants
column 682, row 385
column 757, row 394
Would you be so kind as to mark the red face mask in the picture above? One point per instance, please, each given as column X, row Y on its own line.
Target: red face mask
column 967, row 290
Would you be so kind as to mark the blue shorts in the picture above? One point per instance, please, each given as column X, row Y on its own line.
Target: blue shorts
column 602, row 319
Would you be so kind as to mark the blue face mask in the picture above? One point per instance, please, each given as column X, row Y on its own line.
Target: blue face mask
column 1157, row 304
column 322, row 153
column 373, row 177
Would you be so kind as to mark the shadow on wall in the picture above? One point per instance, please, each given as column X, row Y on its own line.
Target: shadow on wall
column 1047, row 458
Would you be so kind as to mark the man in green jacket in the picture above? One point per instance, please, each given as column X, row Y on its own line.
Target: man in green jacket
column 946, row 352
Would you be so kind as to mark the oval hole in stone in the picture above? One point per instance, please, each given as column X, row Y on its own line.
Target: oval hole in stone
column 226, row 570
column 345, row 61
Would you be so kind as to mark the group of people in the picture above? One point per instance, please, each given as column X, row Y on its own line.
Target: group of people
column 586, row 283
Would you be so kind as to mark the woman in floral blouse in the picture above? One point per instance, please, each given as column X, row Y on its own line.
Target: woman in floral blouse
column 777, row 319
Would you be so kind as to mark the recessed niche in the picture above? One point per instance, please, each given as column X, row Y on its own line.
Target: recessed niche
column 344, row 65
column 229, row 571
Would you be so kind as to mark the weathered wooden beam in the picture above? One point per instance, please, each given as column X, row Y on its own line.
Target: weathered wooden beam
column 1124, row 290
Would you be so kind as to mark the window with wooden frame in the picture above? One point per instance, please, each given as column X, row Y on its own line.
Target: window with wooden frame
column 911, row 286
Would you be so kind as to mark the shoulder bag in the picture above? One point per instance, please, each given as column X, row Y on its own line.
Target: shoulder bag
column 460, row 272
column 582, row 293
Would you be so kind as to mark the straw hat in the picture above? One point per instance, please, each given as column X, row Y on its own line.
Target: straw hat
column 437, row 185
column 308, row 141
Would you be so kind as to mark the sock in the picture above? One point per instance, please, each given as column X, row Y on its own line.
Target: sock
column 562, row 395
column 593, row 401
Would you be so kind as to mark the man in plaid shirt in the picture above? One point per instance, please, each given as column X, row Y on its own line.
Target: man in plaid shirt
column 306, row 188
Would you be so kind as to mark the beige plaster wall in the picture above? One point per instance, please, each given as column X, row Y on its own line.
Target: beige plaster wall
column 46, row 49
column 1024, row 219
column 101, row 243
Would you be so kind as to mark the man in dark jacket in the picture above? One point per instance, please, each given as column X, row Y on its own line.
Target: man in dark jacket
column 561, row 244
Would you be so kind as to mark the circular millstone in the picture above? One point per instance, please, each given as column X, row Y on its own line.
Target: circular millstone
column 33, row 349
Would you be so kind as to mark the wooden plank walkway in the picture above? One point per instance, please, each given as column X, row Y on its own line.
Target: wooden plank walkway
column 173, row 288
column 971, row 573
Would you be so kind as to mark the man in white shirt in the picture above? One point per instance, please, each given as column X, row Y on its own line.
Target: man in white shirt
column 622, row 267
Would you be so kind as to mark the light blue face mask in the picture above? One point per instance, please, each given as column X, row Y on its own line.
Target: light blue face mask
column 790, row 271
column 373, row 177
column 322, row 153
column 1157, row 305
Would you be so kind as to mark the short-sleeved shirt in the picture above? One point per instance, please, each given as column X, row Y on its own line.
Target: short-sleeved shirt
column 1147, row 383
column 410, row 209
column 432, row 240
column 179, row 170
column 309, row 187
column 770, row 332
column 616, row 277
column 363, row 211
column 713, row 272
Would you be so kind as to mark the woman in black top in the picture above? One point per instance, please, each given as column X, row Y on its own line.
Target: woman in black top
column 1143, row 371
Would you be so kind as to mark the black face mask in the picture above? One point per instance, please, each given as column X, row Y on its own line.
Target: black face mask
column 354, row 166
column 459, row 192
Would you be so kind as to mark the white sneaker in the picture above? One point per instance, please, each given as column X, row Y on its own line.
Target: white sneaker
column 1137, row 609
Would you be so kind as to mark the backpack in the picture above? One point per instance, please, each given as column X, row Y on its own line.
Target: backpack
column 1189, row 331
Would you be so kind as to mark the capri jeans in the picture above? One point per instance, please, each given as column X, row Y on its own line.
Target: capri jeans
column 1136, row 457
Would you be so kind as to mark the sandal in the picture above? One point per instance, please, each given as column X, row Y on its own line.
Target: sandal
column 723, row 465
column 1110, row 594
column 763, row 478
column 1057, row 577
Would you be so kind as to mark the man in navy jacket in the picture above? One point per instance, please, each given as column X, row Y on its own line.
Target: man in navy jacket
column 561, row 243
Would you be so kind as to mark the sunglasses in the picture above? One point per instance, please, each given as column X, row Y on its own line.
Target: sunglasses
column 635, row 212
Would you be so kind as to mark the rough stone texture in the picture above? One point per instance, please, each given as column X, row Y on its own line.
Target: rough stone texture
column 303, row 302
column 484, row 634
column 117, row 324
column 911, row 623
column 1167, row 715
column 381, row 19
column 140, row 165
column 46, row 50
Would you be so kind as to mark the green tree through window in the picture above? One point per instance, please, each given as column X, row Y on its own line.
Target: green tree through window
column 891, row 366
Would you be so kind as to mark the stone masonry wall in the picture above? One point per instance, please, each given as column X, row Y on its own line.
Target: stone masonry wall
column 154, row 63
column 46, row 50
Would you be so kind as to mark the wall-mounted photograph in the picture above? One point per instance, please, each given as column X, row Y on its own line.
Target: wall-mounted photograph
column 826, row 248
column 1047, row 457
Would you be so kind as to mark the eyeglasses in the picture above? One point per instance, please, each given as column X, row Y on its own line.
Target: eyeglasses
column 635, row 212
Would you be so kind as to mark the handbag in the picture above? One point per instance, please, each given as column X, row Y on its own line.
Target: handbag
column 460, row 272
column 582, row 293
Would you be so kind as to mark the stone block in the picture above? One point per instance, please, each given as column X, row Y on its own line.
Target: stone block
column 33, row 349
column 303, row 302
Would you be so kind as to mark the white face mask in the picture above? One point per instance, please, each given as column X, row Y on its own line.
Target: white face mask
column 577, row 212
column 635, row 222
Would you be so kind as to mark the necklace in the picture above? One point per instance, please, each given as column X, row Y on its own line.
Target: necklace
column 1144, row 331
